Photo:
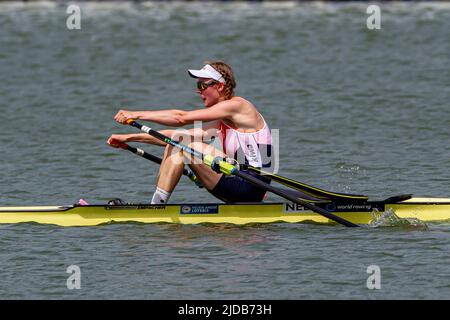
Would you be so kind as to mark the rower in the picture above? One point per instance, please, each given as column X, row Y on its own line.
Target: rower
column 244, row 136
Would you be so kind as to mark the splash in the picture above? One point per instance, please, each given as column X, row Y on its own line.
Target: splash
column 388, row 218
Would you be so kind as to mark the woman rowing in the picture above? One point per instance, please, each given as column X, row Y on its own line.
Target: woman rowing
column 243, row 132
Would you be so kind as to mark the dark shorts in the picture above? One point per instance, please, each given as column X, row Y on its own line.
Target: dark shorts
column 236, row 189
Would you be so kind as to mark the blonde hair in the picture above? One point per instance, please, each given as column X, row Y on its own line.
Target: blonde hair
column 227, row 73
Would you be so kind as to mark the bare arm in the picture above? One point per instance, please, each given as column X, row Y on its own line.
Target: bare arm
column 177, row 118
column 193, row 133
column 139, row 137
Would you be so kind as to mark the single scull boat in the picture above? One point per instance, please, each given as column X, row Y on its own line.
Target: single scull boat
column 425, row 209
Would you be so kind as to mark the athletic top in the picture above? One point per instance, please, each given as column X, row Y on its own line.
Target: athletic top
column 252, row 148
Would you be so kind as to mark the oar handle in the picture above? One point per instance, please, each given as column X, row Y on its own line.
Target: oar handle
column 119, row 144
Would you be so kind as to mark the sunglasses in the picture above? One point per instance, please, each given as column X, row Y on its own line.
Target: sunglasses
column 203, row 85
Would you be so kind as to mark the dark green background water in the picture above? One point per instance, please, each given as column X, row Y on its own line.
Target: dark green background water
column 358, row 111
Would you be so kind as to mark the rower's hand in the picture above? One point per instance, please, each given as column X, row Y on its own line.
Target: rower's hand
column 123, row 115
column 117, row 141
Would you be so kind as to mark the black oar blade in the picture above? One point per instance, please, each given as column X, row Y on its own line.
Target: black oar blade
column 294, row 199
column 308, row 189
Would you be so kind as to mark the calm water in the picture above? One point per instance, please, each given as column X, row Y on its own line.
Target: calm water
column 358, row 111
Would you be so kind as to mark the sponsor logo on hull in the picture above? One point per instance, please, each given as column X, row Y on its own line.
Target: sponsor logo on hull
column 294, row 207
column 135, row 207
column 199, row 209
column 335, row 207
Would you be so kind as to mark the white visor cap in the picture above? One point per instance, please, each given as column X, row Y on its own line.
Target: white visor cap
column 207, row 72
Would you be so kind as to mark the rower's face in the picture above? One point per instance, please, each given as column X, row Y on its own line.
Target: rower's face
column 209, row 91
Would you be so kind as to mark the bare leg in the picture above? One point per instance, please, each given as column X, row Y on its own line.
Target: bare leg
column 171, row 169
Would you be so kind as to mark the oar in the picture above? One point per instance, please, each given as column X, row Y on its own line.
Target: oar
column 229, row 169
column 310, row 190
column 191, row 175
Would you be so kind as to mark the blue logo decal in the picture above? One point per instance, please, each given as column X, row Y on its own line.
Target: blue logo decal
column 199, row 209
column 330, row 207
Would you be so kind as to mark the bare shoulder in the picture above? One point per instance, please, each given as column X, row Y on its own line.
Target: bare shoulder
column 234, row 103
column 239, row 104
column 241, row 100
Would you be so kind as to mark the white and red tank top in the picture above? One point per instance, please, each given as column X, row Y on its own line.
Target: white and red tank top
column 254, row 148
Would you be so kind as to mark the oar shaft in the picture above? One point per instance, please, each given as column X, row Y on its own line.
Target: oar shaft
column 144, row 154
column 155, row 159
column 230, row 169
column 165, row 139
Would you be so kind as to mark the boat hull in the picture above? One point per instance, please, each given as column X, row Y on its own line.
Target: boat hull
column 425, row 209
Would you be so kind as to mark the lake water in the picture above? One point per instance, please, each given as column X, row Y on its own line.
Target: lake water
column 360, row 111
